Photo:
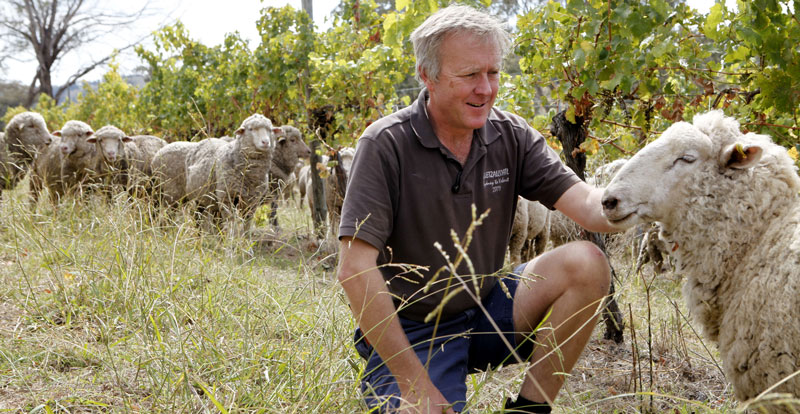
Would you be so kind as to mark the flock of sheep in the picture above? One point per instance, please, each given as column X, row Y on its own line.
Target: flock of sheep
column 726, row 203
column 224, row 177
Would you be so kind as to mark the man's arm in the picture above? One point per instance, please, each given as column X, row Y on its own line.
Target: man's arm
column 582, row 203
column 376, row 315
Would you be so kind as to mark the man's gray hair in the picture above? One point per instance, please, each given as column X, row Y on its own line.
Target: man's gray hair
column 428, row 37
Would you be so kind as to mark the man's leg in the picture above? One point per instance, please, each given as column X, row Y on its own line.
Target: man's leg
column 572, row 280
column 445, row 357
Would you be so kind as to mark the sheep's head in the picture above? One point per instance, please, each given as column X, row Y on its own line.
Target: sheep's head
column 653, row 186
column 110, row 141
column 258, row 132
column 293, row 139
column 74, row 136
column 28, row 133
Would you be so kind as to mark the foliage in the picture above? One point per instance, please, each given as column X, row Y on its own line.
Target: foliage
column 627, row 69
column 194, row 90
column 112, row 103
column 355, row 70
column 281, row 69
column 761, row 62
column 54, row 115
column 643, row 65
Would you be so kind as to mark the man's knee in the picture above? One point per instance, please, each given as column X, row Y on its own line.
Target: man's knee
column 588, row 266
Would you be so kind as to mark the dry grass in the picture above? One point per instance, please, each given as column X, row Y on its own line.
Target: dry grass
column 120, row 308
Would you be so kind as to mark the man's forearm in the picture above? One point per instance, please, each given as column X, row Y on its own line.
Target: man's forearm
column 374, row 310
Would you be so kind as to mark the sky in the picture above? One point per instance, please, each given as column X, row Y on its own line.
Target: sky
column 207, row 21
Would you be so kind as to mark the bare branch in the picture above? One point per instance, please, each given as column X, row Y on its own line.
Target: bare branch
column 52, row 29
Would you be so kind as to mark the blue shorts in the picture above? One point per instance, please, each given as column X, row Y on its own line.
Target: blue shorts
column 465, row 344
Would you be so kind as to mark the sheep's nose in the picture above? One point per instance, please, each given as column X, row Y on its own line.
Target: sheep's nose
column 610, row 203
column 64, row 149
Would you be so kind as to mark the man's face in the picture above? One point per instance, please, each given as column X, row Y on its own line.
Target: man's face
column 469, row 77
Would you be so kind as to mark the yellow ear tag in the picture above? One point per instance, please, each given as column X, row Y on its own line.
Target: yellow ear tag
column 741, row 152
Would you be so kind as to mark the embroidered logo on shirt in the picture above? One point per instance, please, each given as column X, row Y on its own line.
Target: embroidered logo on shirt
column 495, row 179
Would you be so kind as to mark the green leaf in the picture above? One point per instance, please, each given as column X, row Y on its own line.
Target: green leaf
column 401, row 4
column 714, row 18
column 570, row 114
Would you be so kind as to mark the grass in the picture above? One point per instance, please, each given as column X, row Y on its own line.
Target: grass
column 116, row 307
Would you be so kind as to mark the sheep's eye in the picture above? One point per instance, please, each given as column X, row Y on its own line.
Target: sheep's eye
column 686, row 158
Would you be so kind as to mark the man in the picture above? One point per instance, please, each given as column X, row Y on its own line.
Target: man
column 428, row 317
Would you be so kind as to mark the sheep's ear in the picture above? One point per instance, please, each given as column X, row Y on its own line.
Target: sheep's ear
column 126, row 139
column 239, row 132
column 56, row 133
column 741, row 155
column 91, row 140
column 278, row 132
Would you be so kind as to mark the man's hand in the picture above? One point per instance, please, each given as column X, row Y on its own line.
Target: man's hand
column 374, row 310
column 425, row 399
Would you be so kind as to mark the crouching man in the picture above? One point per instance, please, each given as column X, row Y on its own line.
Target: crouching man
column 416, row 177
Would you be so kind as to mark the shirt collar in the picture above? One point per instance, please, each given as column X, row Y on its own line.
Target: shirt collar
column 421, row 124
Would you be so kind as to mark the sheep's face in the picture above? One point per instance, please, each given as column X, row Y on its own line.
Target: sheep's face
column 649, row 186
column 293, row 139
column 32, row 132
column 110, row 141
column 74, row 138
column 260, row 137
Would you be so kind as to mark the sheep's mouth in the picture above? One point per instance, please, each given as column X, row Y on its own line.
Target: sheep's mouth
column 623, row 221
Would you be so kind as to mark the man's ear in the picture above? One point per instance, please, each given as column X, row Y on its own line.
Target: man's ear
column 425, row 78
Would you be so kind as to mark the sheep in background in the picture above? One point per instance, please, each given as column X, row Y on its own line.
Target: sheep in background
column 169, row 171
column 79, row 158
column 26, row 136
column 289, row 149
column 530, row 231
column 304, row 182
column 68, row 164
column 124, row 160
column 728, row 203
column 231, row 177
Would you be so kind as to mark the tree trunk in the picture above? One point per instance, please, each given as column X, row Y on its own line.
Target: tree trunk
column 571, row 137
column 308, row 7
column 317, row 191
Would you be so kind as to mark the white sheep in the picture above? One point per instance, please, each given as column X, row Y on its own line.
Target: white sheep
column 79, row 159
column 169, row 171
column 26, row 136
column 530, row 231
column 231, row 177
column 728, row 206
column 124, row 160
column 68, row 164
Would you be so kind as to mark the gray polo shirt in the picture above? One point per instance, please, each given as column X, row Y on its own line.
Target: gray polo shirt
column 407, row 194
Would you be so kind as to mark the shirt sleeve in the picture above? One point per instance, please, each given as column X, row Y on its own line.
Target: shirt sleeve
column 371, row 196
column 544, row 177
